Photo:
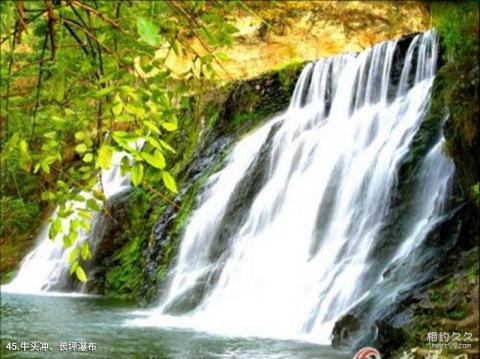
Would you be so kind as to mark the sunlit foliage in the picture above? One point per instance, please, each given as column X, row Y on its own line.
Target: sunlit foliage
column 82, row 80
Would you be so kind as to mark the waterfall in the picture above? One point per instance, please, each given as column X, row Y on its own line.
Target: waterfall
column 310, row 192
column 46, row 267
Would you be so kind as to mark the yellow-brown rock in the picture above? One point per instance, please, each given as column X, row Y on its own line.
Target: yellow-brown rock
column 271, row 36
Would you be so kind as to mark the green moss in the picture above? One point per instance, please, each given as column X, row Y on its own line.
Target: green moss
column 473, row 264
column 457, row 22
column 124, row 269
column 243, row 117
column 458, row 26
column 18, row 215
column 289, row 72
column 457, row 314
column 19, row 223
column 7, row 276
column 124, row 279
column 440, row 308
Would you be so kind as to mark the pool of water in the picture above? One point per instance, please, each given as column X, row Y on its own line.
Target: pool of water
column 99, row 322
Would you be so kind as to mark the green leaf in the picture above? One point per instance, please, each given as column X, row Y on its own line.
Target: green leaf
column 58, row 120
column 55, row 228
column 167, row 146
column 71, row 237
column 223, row 56
column 117, row 109
column 88, row 158
column 72, row 257
column 93, row 205
column 68, row 240
column 25, row 159
column 104, row 91
column 78, row 197
column 153, row 142
column 156, row 160
column 84, row 214
column 105, row 156
column 82, row 277
column 476, row 189
column 45, row 167
column 47, row 196
column 85, row 249
column 50, row 135
column 81, row 148
column 74, row 224
column 169, row 181
column 176, row 47
column 170, row 126
column 148, row 31
column 85, row 225
column 120, row 134
column 137, row 174
column 80, row 136
column 151, row 126
column 135, row 110
column 74, row 267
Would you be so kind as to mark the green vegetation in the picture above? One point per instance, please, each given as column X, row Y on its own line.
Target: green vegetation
column 457, row 22
column 456, row 86
column 82, row 80
column 123, row 276
column 19, row 216
column 264, row 96
column 20, row 220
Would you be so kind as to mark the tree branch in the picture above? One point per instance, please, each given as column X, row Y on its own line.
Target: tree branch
column 39, row 85
column 77, row 38
column 88, row 33
column 51, row 26
column 97, row 13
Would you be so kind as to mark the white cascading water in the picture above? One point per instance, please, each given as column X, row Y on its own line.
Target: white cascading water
column 46, row 267
column 300, row 256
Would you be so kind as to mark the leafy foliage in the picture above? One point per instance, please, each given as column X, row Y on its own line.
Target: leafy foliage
column 83, row 80
column 17, row 216
column 458, row 22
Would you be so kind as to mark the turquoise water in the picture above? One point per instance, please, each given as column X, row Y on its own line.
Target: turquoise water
column 55, row 319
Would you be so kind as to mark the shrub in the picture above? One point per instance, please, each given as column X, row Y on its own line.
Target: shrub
column 17, row 216
column 457, row 22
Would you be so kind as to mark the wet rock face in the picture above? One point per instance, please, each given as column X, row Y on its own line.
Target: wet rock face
column 257, row 99
column 167, row 229
column 462, row 131
column 108, row 232
column 344, row 331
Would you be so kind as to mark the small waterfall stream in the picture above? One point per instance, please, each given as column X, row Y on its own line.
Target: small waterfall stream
column 311, row 191
column 46, row 267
